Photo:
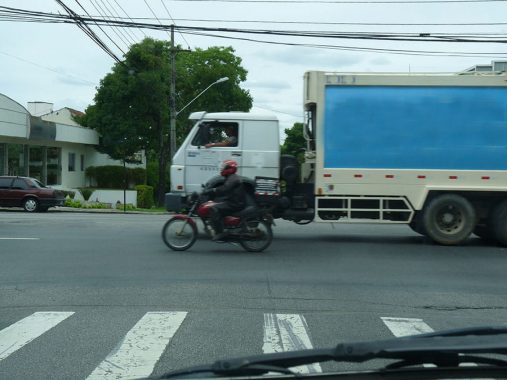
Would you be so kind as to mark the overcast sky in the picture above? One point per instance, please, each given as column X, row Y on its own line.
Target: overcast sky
column 58, row 63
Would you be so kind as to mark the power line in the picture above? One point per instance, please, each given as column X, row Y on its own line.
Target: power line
column 405, row 36
column 182, row 36
column 125, row 31
column 228, row 33
column 113, row 28
column 86, row 29
column 339, row 2
column 142, row 31
column 361, row 49
column 154, row 15
column 306, row 22
column 302, row 22
column 75, row 77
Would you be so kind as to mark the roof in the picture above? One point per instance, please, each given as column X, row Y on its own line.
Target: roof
column 74, row 112
column 233, row 115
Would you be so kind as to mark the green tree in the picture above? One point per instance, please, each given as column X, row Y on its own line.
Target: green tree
column 294, row 141
column 131, row 106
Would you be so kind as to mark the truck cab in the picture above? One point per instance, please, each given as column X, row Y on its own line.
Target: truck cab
column 255, row 147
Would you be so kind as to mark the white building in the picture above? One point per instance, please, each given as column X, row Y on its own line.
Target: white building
column 48, row 145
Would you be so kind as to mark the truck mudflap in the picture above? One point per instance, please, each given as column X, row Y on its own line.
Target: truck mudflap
column 175, row 202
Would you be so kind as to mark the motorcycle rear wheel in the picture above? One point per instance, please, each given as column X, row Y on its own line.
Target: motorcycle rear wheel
column 179, row 234
column 264, row 239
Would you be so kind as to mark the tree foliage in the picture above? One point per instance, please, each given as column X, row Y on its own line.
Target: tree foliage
column 294, row 141
column 131, row 106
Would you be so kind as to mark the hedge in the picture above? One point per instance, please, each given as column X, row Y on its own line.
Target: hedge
column 144, row 196
column 113, row 177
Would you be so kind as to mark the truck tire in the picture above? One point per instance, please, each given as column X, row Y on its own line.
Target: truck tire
column 449, row 219
column 499, row 223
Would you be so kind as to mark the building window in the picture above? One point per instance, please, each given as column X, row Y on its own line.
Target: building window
column 82, row 162
column 72, row 162
column 54, row 166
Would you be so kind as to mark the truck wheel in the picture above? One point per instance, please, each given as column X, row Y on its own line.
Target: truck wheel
column 499, row 223
column 449, row 219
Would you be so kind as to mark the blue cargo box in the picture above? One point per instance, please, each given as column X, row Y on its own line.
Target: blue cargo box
column 415, row 127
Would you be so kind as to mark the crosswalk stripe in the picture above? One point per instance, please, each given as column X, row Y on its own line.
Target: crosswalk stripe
column 17, row 335
column 406, row 326
column 288, row 332
column 141, row 348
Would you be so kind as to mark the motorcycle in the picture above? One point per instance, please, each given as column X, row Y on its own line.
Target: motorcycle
column 250, row 227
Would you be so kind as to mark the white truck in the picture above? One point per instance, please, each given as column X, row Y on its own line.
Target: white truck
column 426, row 150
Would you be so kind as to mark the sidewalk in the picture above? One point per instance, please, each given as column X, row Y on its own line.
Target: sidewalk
column 91, row 210
column 105, row 211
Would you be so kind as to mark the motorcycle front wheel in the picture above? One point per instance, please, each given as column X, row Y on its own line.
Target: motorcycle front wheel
column 262, row 235
column 179, row 234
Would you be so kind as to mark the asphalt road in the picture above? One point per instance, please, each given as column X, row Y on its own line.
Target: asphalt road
column 92, row 283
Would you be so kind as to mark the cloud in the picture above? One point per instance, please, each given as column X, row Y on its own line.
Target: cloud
column 75, row 81
column 310, row 57
column 272, row 85
column 379, row 61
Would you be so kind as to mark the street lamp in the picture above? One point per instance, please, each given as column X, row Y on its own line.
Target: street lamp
column 175, row 113
column 224, row 79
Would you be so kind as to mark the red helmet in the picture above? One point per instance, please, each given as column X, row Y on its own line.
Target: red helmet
column 228, row 167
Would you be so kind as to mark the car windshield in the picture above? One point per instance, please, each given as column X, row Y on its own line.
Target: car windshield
column 256, row 188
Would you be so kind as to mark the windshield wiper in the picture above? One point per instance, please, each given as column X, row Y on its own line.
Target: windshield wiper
column 446, row 348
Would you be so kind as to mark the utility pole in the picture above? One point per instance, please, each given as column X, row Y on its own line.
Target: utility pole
column 172, row 105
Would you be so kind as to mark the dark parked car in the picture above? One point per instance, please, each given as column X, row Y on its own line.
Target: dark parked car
column 28, row 193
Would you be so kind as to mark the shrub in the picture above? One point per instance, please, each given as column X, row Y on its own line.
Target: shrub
column 137, row 176
column 72, row 203
column 68, row 194
column 86, row 192
column 113, row 176
column 144, row 196
column 129, row 207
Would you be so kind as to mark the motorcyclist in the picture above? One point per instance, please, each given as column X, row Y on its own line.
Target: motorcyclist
column 232, row 194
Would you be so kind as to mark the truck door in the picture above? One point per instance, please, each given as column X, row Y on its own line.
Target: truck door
column 215, row 142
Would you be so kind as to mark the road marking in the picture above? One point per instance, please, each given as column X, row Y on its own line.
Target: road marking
column 288, row 332
column 15, row 336
column 412, row 326
column 406, row 326
column 140, row 349
column 1, row 238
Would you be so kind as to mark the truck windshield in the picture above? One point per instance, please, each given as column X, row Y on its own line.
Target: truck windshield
column 214, row 132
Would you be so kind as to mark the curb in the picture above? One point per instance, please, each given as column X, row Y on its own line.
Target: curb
column 90, row 211
column 105, row 211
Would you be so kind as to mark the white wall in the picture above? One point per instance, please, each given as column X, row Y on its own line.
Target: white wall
column 78, row 135
column 62, row 116
column 76, row 178
column 114, row 196
column 14, row 118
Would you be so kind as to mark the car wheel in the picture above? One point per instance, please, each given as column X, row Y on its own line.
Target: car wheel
column 30, row 204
